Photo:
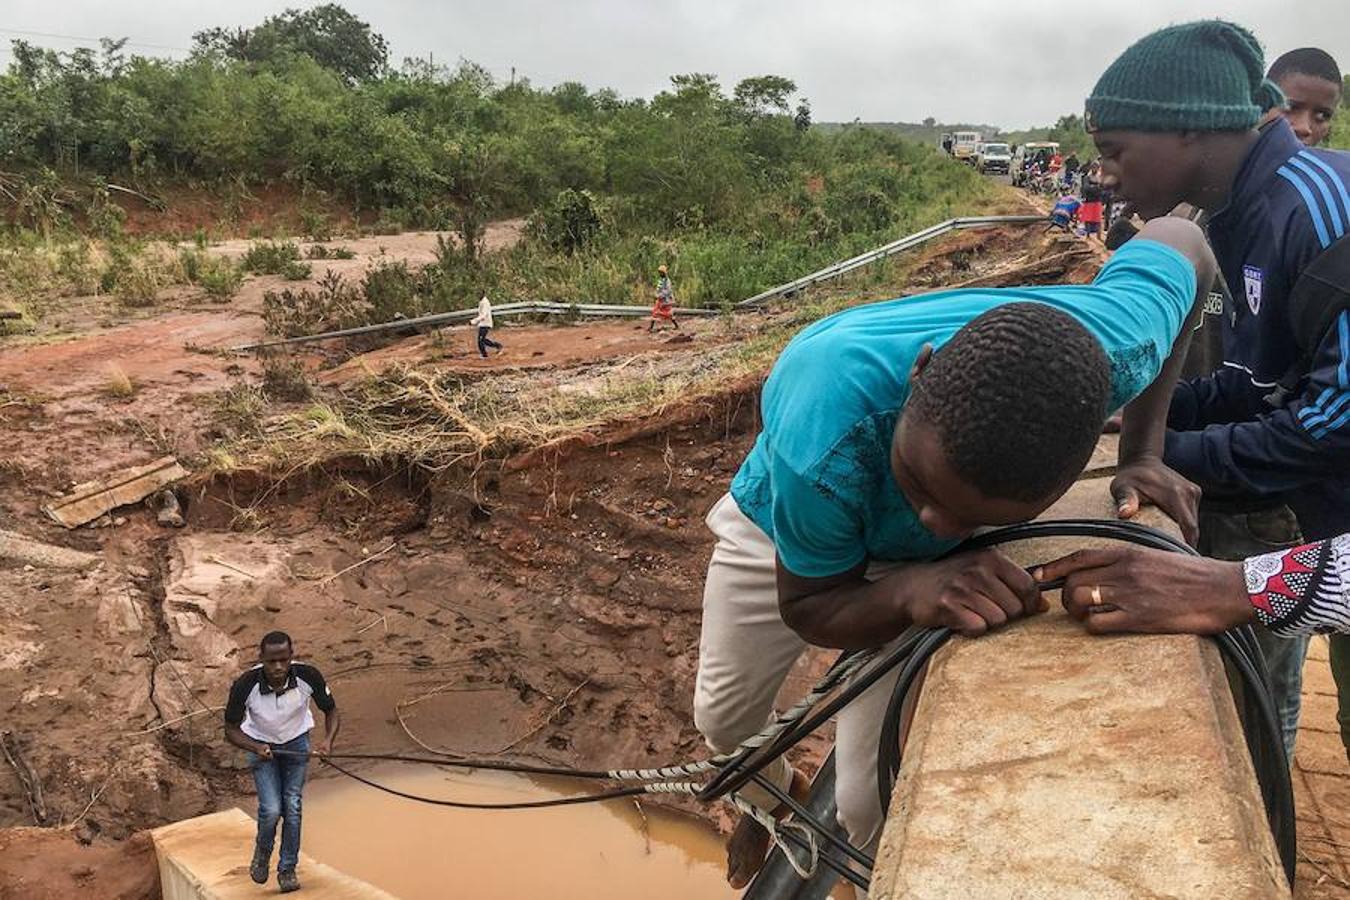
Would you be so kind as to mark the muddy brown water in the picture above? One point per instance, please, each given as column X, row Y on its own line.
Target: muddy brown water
column 420, row 852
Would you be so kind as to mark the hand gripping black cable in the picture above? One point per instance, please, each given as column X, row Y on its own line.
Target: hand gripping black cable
column 1261, row 726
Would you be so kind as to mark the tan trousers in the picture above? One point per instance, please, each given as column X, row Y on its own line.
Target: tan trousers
column 745, row 652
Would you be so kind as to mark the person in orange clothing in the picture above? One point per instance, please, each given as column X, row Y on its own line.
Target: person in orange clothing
column 1090, row 213
column 663, row 310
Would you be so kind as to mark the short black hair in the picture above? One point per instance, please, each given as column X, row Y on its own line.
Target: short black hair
column 273, row 638
column 1306, row 61
column 1018, row 398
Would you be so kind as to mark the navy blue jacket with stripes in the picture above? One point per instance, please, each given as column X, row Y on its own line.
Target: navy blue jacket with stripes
column 1234, row 432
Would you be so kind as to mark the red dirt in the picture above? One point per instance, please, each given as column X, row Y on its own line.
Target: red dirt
column 527, row 347
column 49, row 864
column 505, row 588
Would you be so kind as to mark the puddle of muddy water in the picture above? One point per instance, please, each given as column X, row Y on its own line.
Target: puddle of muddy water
column 420, row 852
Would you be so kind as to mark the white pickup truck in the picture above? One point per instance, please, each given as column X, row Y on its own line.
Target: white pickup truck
column 993, row 157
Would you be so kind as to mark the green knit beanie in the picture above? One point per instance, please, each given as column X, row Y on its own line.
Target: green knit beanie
column 1201, row 76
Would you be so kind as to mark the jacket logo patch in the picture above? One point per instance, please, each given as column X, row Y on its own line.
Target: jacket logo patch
column 1251, row 280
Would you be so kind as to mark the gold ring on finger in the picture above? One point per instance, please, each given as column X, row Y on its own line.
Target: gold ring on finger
column 1096, row 595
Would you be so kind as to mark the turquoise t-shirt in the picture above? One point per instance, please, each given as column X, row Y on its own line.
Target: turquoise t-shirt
column 818, row 480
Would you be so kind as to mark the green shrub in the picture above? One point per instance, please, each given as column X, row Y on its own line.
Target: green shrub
column 192, row 262
column 271, row 257
column 294, row 270
column 220, row 278
column 284, row 378
column 138, row 284
column 391, row 290
column 334, row 303
column 75, row 268
column 571, row 222
column 316, row 225
column 319, row 251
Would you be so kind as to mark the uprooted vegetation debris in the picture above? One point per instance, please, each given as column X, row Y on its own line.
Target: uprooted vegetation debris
column 416, row 413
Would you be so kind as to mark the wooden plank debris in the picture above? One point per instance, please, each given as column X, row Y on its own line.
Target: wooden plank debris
column 92, row 499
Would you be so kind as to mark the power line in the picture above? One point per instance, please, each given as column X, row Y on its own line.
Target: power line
column 89, row 40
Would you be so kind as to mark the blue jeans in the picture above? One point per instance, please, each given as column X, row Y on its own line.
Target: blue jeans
column 484, row 341
column 280, row 781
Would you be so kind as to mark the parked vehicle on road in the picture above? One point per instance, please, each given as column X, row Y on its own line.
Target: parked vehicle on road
column 993, row 157
column 1028, row 153
column 964, row 145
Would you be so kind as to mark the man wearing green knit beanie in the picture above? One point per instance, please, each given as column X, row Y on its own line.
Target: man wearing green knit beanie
column 1189, row 97
column 1175, row 119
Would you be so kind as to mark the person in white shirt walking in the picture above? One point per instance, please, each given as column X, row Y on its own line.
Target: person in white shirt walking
column 268, row 715
column 484, row 322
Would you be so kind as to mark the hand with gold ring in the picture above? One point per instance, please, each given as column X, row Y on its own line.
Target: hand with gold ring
column 1129, row 588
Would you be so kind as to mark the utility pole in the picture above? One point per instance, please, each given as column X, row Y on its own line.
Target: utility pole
column 513, row 76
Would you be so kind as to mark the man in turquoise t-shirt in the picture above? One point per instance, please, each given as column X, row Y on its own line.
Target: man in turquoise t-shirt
column 892, row 431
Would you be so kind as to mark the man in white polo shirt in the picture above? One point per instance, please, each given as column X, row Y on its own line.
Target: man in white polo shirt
column 268, row 715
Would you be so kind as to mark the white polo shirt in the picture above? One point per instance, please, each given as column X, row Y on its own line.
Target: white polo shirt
column 276, row 717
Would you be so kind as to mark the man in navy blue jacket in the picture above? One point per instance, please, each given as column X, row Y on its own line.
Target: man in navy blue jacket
column 1175, row 121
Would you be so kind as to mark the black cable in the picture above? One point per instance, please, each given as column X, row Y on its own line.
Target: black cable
column 738, row 772
column 713, row 789
column 821, row 828
column 1265, row 744
column 913, row 653
column 529, row 804
column 454, row 763
column 1129, row 532
column 888, row 763
column 1261, row 725
column 840, row 868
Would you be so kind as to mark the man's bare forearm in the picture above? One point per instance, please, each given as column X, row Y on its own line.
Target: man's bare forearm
column 1144, row 422
column 235, row 735
column 852, row 616
column 332, row 724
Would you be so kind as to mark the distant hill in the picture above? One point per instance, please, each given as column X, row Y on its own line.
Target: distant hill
column 1068, row 131
column 913, row 131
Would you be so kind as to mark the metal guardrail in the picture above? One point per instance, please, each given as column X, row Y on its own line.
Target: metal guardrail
column 531, row 307
column 604, row 310
column 834, row 270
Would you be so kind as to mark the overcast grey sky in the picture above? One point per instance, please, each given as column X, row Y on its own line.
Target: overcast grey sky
column 1010, row 63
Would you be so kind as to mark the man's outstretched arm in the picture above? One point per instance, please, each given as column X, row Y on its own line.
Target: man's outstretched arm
column 1141, row 476
column 1302, row 590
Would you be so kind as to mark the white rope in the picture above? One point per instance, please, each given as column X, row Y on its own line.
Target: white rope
column 823, row 688
column 805, row 868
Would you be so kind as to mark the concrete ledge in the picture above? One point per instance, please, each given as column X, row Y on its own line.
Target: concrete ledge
column 1045, row 763
column 206, row 858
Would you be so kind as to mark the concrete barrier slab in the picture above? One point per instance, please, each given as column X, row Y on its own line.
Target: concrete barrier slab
column 1046, row 763
column 207, row 858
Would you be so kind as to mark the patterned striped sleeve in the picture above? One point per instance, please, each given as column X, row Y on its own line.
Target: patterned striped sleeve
column 1303, row 590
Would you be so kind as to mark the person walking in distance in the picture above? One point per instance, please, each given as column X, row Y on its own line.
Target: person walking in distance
column 484, row 322
column 268, row 715
column 663, row 310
